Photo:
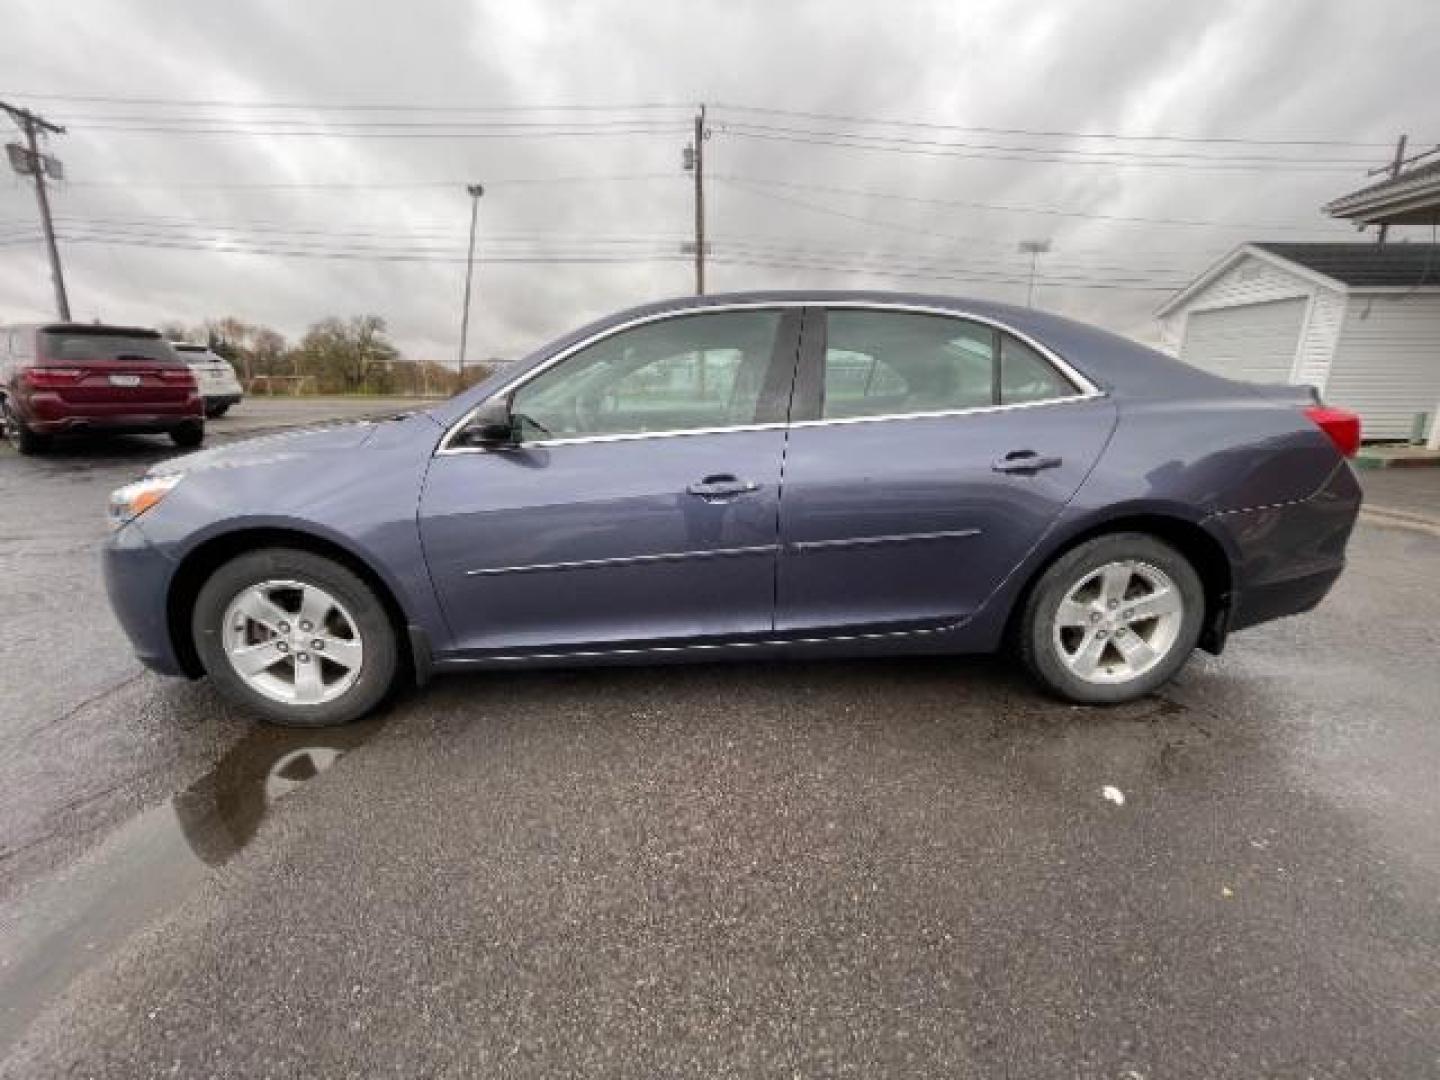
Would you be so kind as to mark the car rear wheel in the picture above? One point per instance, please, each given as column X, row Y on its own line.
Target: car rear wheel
column 1113, row 619
column 217, row 410
column 295, row 637
column 19, row 436
column 188, row 435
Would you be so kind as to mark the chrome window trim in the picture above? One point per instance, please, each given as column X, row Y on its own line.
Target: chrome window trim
column 1087, row 389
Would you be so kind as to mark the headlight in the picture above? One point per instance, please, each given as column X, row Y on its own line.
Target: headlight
column 132, row 500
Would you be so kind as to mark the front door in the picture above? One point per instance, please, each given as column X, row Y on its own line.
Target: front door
column 930, row 455
column 641, row 503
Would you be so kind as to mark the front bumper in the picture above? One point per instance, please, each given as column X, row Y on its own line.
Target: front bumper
column 137, row 581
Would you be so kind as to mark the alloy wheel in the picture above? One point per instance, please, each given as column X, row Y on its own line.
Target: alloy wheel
column 293, row 642
column 1118, row 622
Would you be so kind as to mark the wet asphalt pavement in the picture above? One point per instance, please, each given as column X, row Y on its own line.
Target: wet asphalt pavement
column 881, row 868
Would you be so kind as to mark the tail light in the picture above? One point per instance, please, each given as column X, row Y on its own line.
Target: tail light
column 183, row 376
column 1342, row 425
column 49, row 378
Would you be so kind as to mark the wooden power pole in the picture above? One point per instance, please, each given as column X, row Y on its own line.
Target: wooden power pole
column 700, row 202
column 1395, row 167
column 27, row 160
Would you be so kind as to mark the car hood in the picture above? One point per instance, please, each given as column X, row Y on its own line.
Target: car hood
column 271, row 449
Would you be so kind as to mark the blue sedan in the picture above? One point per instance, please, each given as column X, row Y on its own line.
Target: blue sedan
column 766, row 474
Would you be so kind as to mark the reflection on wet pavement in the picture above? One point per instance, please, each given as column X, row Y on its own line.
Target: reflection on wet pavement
column 220, row 813
column 149, row 865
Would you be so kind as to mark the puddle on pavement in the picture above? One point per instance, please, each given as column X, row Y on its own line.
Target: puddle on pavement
column 69, row 923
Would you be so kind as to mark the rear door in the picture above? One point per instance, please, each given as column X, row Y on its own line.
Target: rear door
column 931, row 454
column 641, row 505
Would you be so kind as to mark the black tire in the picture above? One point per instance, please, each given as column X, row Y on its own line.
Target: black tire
column 381, row 655
column 188, row 436
column 21, row 437
column 217, row 410
column 1037, row 645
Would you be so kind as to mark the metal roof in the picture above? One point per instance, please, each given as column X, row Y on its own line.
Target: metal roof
column 1365, row 265
column 1412, row 198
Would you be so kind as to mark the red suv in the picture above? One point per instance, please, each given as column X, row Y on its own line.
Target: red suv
column 69, row 377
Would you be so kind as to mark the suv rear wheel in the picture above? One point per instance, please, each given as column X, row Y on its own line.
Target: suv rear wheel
column 1113, row 619
column 295, row 637
column 21, row 437
column 188, row 435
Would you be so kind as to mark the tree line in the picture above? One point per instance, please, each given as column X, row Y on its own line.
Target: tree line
column 335, row 356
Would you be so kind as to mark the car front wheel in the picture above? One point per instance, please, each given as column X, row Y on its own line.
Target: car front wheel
column 295, row 637
column 1112, row 619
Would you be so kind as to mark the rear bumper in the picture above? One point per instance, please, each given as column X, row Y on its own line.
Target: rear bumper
column 1286, row 558
column 48, row 414
column 137, row 581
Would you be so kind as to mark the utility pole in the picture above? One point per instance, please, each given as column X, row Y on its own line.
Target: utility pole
column 474, row 191
column 1395, row 166
column 1035, row 248
column 27, row 160
column 697, row 166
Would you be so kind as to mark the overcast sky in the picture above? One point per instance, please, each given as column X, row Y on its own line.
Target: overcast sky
column 145, row 213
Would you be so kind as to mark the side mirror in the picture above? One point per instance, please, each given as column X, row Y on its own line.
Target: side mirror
column 492, row 425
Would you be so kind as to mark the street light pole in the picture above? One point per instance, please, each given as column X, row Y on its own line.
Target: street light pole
column 475, row 191
column 1035, row 248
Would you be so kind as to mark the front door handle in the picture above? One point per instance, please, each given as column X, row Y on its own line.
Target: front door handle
column 723, row 486
column 1026, row 462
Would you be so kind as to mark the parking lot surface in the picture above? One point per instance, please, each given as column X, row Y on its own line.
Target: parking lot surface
column 887, row 868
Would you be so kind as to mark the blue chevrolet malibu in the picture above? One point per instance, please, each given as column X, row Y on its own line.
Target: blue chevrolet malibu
column 750, row 475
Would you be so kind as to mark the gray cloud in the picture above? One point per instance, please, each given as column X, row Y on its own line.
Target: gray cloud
column 1273, row 70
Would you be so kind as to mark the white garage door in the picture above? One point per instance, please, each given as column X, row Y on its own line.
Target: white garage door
column 1255, row 342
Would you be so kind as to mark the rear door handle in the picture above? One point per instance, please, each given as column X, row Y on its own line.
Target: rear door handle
column 723, row 486
column 1026, row 462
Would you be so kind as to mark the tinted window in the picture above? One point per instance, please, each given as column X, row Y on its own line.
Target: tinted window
column 886, row 362
column 693, row 371
column 71, row 346
column 1025, row 375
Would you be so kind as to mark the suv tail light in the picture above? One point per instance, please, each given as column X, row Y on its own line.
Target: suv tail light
column 1342, row 425
column 48, row 378
column 178, row 375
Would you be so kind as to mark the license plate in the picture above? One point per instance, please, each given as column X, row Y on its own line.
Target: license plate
column 124, row 380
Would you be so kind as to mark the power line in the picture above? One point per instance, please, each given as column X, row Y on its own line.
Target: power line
column 643, row 106
column 1033, row 155
column 684, row 107
column 398, row 185
column 1033, row 133
column 1013, row 209
column 601, row 131
column 880, row 271
column 775, row 258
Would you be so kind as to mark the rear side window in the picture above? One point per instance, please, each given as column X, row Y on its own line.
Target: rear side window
column 70, row 346
column 1025, row 375
column 896, row 363
column 880, row 363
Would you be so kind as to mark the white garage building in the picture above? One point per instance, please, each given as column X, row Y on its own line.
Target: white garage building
column 1358, row 321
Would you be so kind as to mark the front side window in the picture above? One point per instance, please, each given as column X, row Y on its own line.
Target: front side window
column 889, row 363
column 681, row 374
